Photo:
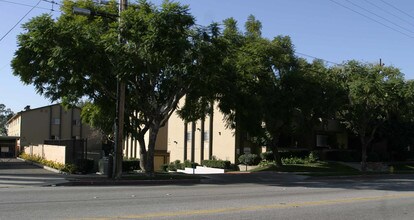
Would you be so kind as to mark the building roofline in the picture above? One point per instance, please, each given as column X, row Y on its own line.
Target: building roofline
column 34, row 109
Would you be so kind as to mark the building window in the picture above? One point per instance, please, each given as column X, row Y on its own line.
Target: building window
column 189, row 136
column 76, row 122
column 56, row 121
column 321, row 140
column 206, row 136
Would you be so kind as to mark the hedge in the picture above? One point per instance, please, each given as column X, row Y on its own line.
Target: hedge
column 222, row 164
column 130, row 165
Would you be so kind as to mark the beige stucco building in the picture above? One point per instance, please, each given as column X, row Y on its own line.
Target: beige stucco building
column 211, row 138
column 194, row 141
column 53, row 122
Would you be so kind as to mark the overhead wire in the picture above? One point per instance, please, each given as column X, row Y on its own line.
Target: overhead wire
column 379, row 16
column 17, row 3
column 390, row 13
column 374, row 20
column 20, row 20
column 397, row 9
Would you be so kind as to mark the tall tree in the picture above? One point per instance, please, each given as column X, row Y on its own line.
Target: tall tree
column 5, row 115
column 75, row 56
column 373, row 93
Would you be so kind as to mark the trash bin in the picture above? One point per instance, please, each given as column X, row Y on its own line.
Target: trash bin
column 106, row 166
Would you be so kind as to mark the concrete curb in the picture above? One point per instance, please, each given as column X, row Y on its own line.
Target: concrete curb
column 108, row 182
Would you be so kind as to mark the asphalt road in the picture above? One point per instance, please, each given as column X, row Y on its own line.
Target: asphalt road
column 265, row 196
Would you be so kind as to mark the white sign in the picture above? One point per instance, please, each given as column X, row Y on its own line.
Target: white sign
column 5, row 149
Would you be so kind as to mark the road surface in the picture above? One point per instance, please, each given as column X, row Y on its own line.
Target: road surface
column 266, row 196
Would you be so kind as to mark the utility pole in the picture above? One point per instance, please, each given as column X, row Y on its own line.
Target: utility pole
column 120, row 108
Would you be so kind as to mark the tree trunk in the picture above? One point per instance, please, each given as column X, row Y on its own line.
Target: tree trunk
column 142, row 153
column 363, row 154
column 273, row 145
column 149, row 166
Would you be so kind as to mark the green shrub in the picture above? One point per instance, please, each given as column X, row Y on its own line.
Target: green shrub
column 249, row 159
column 129, row 165
column 265, row 163
column 176, row 165
column 222, row 164
column 84, row 165
column 294, row 160
column 172, row 167
column 267, row 156
column 188, row 163
column 294, row 153
column 164, row 167
column 313, row 157
column 69, row 168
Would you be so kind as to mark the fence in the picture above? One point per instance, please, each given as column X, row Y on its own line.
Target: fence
column 62, row 151
column 75, row 148
column 48, row 152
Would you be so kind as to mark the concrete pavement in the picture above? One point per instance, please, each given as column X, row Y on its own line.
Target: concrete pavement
column 17, row 173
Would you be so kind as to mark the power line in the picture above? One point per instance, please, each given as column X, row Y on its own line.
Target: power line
column 16, row 3
column 52, row 2
column 21, row 19
column 396, row 30
column 397, row 9
column 394, row 15
column 306, row 55
column 385, row 19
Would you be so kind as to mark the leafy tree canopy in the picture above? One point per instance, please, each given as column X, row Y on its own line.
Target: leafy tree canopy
column 5, row 115
column 160, row 58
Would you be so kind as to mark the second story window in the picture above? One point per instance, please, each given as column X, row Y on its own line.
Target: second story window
column 56, row 121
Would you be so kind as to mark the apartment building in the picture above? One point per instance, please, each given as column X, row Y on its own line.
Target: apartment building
column 53, row 122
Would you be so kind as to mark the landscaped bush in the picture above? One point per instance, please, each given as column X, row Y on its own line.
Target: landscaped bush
column 69, row 168
column 265, row 163
column 249, row 159
column 222, row 164
column 84, row 165
column 294, row 153
column 164, row 167
column 176, row 165
column 311, row 158
column 294, row 160
column 130, row 165
column 267, row 156
column 188, row 163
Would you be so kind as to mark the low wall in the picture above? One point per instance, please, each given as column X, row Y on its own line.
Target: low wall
column 49, row 152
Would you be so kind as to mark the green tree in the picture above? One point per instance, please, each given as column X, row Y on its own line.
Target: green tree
column 76, row 56
column 373, row 93
column 5, row 115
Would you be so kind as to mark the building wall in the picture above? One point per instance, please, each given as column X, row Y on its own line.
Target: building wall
column 171, row 139
column 14, row 126
column 53, row 122
column 223, row 139
column 35, row 126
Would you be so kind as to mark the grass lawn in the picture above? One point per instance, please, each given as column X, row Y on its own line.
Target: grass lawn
column 161, row 176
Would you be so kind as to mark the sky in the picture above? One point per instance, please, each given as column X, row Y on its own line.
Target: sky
column 333, row 30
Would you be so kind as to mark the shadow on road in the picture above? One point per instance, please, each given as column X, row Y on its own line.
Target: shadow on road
column 396, row 182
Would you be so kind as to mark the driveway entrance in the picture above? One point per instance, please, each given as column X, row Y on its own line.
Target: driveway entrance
column 17, row 173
